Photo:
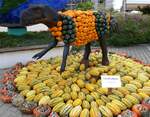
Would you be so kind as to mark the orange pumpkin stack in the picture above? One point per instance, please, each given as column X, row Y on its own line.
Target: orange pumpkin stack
column 57, row 31
column 85, row 27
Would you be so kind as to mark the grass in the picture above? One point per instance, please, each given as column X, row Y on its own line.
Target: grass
column 135, row 29
column 31, row 38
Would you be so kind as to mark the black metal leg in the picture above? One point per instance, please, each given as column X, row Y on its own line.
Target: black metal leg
column 87, row 52
column 103, row 45
column 65, row 55
column 43, row 52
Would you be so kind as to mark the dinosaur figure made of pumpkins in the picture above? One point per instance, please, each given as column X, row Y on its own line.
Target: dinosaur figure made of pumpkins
column 73, row 27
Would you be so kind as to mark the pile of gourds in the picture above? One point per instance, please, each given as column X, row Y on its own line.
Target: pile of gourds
column 7, row 89
column 78, row 92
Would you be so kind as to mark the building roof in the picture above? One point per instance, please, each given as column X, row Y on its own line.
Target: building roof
column 131, row 4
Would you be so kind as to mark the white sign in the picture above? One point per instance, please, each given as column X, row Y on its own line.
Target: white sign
column 110, row 81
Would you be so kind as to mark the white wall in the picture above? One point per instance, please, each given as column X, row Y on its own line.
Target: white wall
column 37, row 28
column 34, row 28
column 3, row 29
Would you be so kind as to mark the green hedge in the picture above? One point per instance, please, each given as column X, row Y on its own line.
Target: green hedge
column 134, row 29
column 31, row 38
column 85, row 5
column 9, row 4
column 145, row 10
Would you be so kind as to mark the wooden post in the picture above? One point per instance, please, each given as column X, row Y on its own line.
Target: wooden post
column 124, row 8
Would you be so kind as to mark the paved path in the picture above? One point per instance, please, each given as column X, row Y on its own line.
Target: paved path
column 142, row 52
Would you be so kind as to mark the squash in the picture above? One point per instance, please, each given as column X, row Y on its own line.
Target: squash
column 139, row 108
column 95, row 112
column 74, row 95
column 81, row 95
column 38, row 111
column 66, row 96
column 53, row 102
column 44, row 100
column 66, row 110
column 80, row 83
column 94, row 72
column 146, row 103
column 59, row 23
column 128, row 113
column 75, row 88
column 53, row 114
column 89, row 98
column 75, row 112
column 86, row 104
column 85, row 113
column 58, row 107
column 90, row 87
column 77, row 102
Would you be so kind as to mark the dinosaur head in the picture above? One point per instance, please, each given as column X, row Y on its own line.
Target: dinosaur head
column 38, row 14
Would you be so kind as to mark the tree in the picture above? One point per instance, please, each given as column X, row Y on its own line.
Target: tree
column 10, row 4
column 101, row 1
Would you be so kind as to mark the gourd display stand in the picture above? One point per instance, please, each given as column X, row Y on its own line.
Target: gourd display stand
column 38, row 87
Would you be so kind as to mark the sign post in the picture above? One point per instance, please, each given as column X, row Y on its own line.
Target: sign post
column 110, row 82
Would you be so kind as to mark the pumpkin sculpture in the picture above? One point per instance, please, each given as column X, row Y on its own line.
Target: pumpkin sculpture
column 73, row 27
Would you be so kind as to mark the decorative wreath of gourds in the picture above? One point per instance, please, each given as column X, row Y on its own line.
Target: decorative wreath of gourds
column 80, row 27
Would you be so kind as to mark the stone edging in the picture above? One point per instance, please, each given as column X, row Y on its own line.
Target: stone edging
column 4, row 50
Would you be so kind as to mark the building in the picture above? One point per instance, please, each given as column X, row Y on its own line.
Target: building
column 129, row 4
column 134, row 4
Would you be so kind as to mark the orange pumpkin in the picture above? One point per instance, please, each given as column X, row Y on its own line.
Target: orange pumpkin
column 59, row 28
column 59, row 23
